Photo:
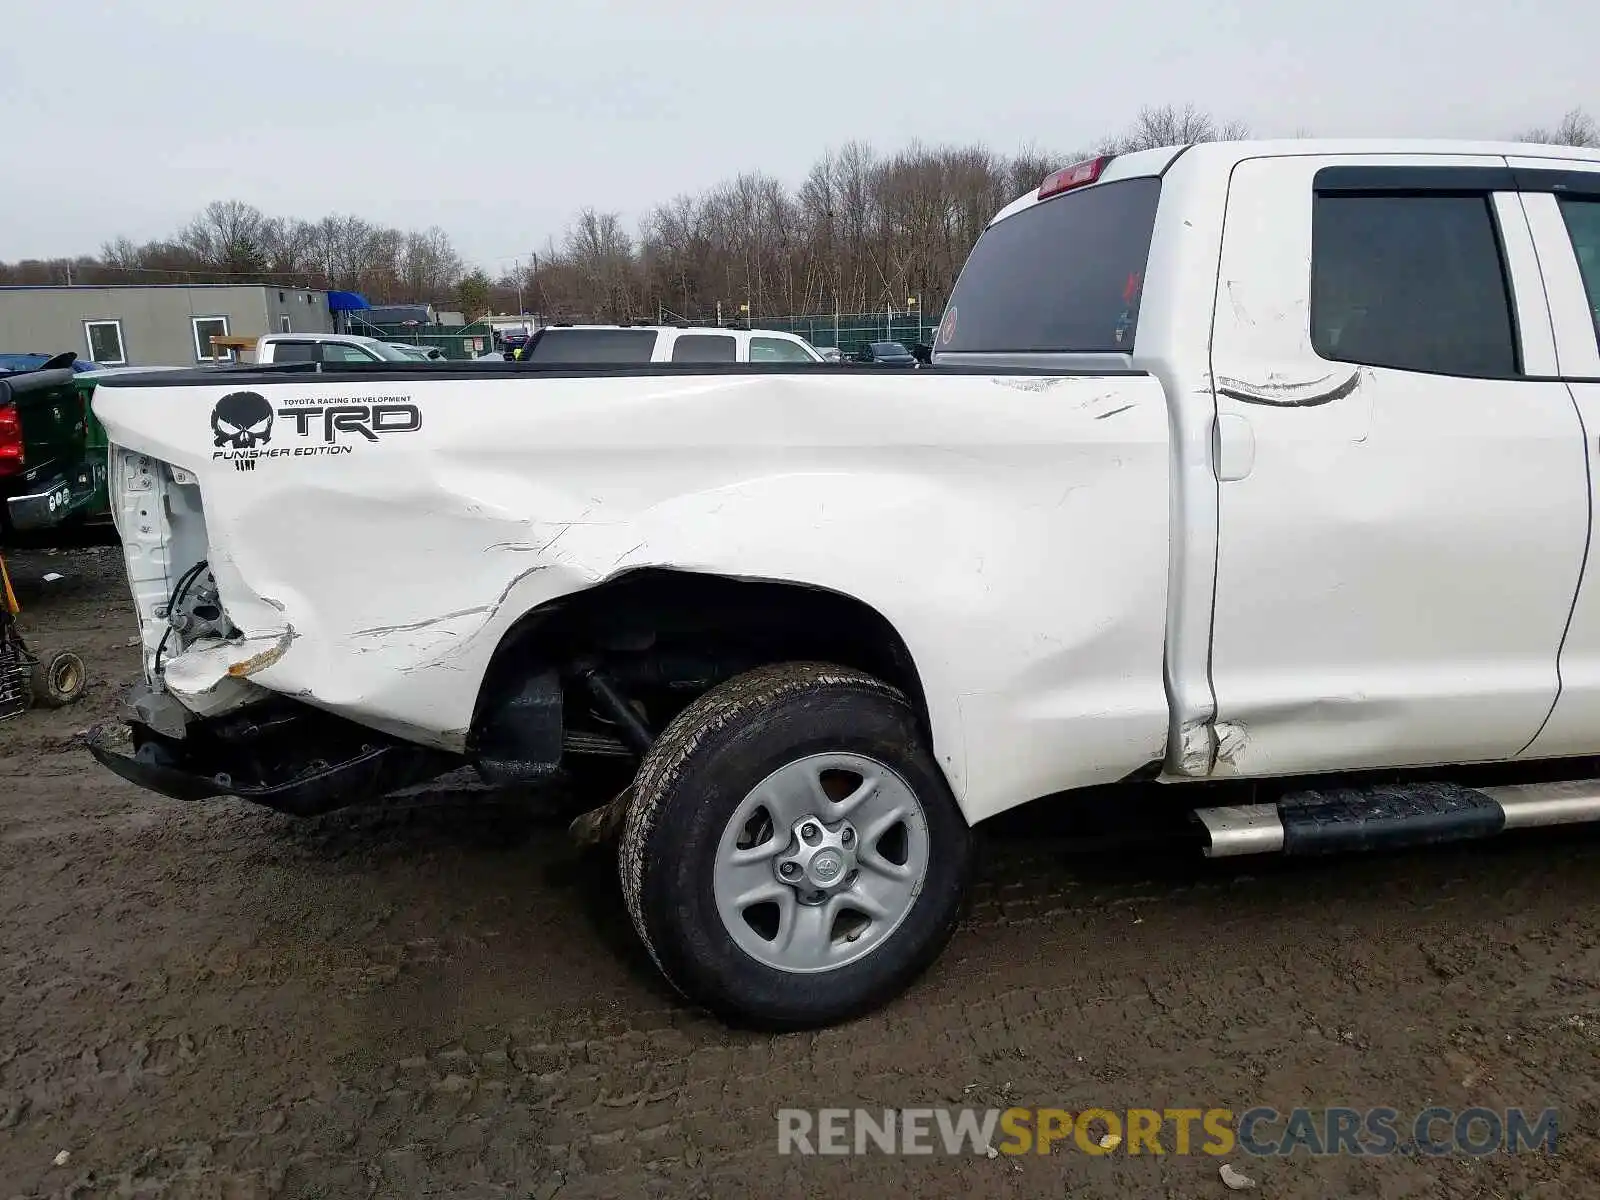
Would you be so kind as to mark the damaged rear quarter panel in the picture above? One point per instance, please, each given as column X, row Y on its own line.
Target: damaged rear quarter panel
column 1015, row 537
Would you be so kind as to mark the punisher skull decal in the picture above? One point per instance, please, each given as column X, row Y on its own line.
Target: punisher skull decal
column 242, row 420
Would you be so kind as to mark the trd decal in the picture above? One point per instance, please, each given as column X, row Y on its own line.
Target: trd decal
column 359, row 420
column 242, row 426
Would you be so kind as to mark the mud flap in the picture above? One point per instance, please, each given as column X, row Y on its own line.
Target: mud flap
column 521, row 732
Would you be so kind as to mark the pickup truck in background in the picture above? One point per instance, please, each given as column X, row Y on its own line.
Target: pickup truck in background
column 330, row 348
column 1262, row 462
column 52, row 449
column 52, row 466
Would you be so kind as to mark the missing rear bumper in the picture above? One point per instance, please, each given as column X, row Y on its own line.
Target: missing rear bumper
column 284, row 756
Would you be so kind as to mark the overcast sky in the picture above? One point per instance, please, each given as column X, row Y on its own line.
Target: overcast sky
column 496, row 119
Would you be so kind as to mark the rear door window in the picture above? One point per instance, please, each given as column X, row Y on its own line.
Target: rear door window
column 579, row 346
column 1414, row 282
column 1064, row 275
column 294, row 352
column 770, row 349
column 704, row 348
column 338, row 352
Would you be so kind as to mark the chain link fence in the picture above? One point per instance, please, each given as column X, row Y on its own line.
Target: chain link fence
column 849, row 332
column 456, row 341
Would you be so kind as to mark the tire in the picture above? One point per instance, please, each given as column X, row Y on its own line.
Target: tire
column 704, row 771
column 58, row 679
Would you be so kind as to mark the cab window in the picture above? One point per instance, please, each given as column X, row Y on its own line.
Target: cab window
column 777, row 350
column 704, row 348
column 1583, row 226
column 337, row 352
column 1064, row 275
column 1414, row 282
column 286, row 352
column 578, row 347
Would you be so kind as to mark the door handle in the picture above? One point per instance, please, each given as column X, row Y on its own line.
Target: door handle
column 1233, row 447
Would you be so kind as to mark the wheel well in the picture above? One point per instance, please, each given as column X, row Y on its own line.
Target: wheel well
column 665, row 637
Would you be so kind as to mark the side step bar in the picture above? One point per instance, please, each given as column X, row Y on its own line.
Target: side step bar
column 1337, row 820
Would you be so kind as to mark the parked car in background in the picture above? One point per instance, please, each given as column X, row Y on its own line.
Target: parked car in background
column 342, row 349
column 831, row 354
column 421, row 353
column 11, row 363
column 885, row 354
column 666, row 344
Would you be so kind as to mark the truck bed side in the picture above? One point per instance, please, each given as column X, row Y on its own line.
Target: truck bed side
column 377, row 538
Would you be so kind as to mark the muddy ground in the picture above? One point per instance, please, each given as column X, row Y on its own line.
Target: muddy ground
column 443, row 998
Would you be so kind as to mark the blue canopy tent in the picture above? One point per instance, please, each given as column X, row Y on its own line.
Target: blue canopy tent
column 341, row 304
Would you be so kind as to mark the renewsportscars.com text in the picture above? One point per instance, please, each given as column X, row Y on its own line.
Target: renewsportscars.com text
column 1261, row 1132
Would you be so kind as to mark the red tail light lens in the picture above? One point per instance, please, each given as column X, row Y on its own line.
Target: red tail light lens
column 1077, row 175
column 10, row 440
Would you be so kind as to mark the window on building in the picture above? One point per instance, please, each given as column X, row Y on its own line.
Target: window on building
column 206, row 328
column 1414, row 282
column 104, row 340
column 284, row 324
column 704, row 348
column 777, row 350
column 1583, row 226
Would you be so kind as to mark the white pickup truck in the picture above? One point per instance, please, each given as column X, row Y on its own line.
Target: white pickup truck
column 1261, row 461
column 330, row 349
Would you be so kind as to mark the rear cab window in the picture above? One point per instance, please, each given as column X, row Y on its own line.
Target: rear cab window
column 577, row 346
column 1061, row 276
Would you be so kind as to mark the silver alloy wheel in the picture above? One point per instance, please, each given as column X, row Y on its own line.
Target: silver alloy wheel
column 821, row 862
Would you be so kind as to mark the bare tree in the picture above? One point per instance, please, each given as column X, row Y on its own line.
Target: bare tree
column 227, row 237
column 1576, row 128
column 429, row 264
column 1168, row 125
column 601, row 254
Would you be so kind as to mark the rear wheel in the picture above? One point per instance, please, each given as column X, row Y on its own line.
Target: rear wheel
column 792, row 855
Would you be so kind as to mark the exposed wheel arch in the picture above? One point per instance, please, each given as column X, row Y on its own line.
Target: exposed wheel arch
column 680, row 623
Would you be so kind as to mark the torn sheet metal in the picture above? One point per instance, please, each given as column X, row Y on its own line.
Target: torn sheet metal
column 1016, row 538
